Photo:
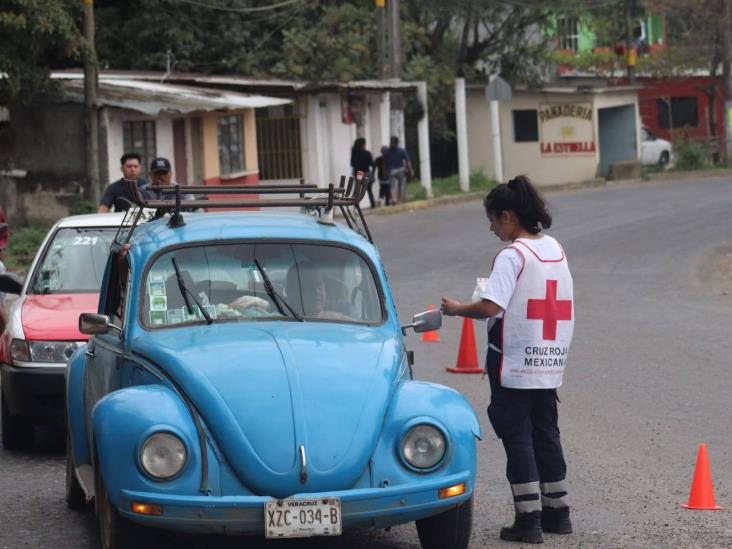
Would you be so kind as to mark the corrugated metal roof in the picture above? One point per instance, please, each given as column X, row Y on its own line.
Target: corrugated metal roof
column 152, row 98
column 233, row 81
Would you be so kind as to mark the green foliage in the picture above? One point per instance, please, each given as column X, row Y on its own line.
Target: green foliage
column 689, row 155
column 83, row 207
column 601, row 61
column 36, row 35
column 23, row 245
column 447, row 186
column 324, row 40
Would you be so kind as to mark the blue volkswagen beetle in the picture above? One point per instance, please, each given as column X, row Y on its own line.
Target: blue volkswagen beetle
column 247, row 374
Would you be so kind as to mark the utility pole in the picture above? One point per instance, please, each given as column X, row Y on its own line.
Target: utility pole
column 630, row 53
column 395, row 50
column 90, row 105
column 395, row 70
column 726, row 83
column 381, row 39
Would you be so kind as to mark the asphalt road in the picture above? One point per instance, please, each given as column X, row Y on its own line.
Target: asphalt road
column 649, row 375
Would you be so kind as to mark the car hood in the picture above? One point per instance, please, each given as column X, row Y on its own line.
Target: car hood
column 266, row 390
column 56, row 316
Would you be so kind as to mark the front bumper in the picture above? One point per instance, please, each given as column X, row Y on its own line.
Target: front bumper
column 34, row 391
column 379, row 507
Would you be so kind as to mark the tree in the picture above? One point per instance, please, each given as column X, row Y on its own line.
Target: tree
column 36, row 35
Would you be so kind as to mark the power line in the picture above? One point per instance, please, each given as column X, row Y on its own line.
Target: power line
column 587, row 5
column 240, row 10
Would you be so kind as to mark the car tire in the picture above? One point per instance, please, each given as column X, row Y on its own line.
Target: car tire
column 664, row 159
column 115, row 531
column 18, row 431
column 75, row 496
column 448, row 530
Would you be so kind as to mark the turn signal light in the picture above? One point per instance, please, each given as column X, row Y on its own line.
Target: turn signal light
column 147, row 509
column 451, row 491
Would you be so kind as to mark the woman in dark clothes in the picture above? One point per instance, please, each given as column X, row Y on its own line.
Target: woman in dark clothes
column 362, row 161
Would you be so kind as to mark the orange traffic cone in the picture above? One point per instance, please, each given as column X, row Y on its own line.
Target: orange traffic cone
column 702, row 491
column 467, row 360
column 431, row 336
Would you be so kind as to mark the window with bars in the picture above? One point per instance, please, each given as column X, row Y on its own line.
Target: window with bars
column 231, row 144
column 568, row 33
column 278, row 143
column 139, row 136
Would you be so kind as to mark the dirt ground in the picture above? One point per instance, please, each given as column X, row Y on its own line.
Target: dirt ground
column 718, row 273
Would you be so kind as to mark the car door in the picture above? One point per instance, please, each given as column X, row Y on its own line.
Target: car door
column 104, row 351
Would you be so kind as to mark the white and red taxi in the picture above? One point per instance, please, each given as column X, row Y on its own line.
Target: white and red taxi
column 42, row 325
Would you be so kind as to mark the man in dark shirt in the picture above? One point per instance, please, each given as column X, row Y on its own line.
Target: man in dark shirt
column 116, row 193
column 399, row 166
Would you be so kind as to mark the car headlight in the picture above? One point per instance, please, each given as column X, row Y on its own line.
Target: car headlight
column 52, row 351
column 163, row 456
column 423, row 447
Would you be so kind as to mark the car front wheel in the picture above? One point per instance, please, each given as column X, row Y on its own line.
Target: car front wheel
column 17, row 431
column 448, row 530
column 115, row 531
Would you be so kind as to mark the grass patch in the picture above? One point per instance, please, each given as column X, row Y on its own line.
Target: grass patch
column 23, row 245
column 446, row 186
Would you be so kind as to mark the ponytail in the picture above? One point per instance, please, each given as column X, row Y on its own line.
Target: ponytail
column 520, row 197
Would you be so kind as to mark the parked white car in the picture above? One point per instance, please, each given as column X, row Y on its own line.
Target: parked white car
column 654, row 150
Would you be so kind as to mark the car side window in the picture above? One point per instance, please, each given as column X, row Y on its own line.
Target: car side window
column 116, row 297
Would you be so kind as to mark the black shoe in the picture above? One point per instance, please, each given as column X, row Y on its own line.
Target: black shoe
column 526, row 528
column 556, row 521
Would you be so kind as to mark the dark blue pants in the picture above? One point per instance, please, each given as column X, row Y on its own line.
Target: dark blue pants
column 526, row 422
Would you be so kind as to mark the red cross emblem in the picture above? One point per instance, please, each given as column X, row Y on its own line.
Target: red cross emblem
column 549, row 310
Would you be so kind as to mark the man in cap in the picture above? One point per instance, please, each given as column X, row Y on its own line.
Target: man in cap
column 116, row 193
column 161, row 175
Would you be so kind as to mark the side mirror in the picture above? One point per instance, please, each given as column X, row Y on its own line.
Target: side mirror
column 11, row 283
column 425, row 322
column 94, row 324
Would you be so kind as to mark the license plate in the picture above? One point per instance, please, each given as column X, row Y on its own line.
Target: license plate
column 301, row 518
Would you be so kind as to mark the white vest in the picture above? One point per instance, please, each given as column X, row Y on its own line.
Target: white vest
column 538, row 322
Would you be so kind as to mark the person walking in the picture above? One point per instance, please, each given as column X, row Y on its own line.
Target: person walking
column 530, row 303
column 116, row 194
column 382, row 174
column 362, row 161
column 399, row 166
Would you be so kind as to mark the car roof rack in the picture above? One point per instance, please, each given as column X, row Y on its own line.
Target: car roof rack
column 321, row 201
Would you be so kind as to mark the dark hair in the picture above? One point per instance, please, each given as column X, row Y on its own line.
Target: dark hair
column 520, row 197
column 358, row 144
column 394, row 141
column 130, row 156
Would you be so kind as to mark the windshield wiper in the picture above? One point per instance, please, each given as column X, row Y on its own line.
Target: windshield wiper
column 185, row 292
column 274, row 295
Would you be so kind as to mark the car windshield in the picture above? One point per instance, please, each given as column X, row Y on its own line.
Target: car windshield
column 73, row 262
column 306, row 282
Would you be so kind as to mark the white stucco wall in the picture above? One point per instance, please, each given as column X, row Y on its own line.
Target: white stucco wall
column 327, row 141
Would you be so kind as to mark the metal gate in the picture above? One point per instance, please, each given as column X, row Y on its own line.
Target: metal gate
column 278, row 143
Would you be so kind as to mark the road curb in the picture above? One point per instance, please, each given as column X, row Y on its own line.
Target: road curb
column 557, row 187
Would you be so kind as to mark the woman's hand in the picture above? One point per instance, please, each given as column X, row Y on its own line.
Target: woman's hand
column 449, row 306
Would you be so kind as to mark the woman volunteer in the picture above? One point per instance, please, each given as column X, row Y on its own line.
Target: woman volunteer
column 529, row 299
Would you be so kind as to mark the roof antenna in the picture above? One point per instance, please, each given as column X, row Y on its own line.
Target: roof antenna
column 176, row 219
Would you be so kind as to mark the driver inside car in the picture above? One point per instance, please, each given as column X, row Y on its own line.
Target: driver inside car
column 322, row 296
